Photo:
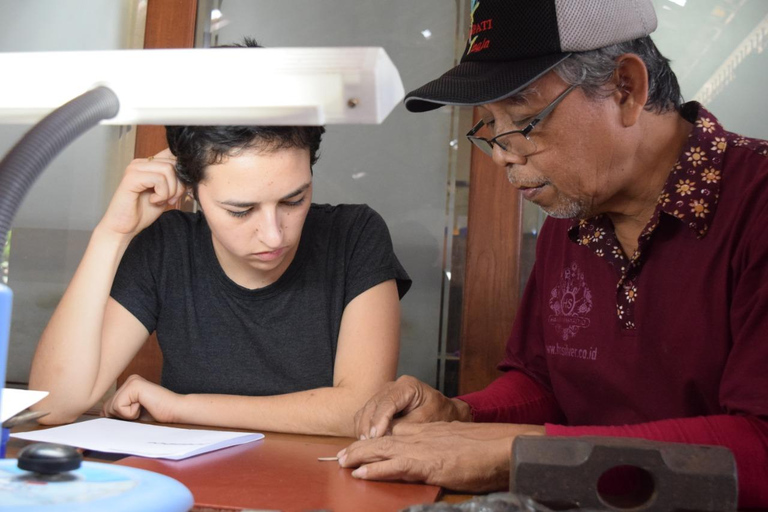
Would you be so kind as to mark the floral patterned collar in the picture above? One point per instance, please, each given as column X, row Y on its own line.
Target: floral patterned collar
column 690, row 195
column 692, row 189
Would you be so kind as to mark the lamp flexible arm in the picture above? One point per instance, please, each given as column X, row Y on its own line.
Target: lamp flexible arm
column 30, row 156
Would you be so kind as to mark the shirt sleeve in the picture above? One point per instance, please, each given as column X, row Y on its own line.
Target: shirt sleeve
column 745, row 436
column 135, row 285
column 744, row 383
column 371, row 258
column 513, row 398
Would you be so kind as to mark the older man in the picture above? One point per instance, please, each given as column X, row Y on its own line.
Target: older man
column 646, row 314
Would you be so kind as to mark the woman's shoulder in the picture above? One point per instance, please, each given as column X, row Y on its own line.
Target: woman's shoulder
column 177, row 219
column 173, row 226
column 343, row 215
column 341, row 209
column 350, row 225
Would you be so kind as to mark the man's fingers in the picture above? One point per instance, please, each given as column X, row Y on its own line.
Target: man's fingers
column 375, row 416
column 364, row 452
column 404, row 396
column 401, row 469
column 382, row 416
column 363, row 419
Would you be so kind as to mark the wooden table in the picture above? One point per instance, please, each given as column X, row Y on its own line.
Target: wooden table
column 280, row 472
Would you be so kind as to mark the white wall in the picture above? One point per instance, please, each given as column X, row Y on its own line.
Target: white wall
column 52, row 227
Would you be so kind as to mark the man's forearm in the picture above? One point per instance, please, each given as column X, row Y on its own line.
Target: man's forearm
column 513, row 398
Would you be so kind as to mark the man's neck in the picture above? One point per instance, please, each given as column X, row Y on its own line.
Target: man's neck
column 663, row 139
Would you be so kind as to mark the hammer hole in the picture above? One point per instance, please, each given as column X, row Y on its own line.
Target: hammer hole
column 626, row 487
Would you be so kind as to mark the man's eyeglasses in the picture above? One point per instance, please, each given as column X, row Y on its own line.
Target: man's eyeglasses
column 515, row 141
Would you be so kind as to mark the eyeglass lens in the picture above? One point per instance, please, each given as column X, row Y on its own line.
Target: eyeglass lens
column 515, row 142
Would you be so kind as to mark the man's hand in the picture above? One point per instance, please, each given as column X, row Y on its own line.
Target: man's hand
column 411, row 401
column 468, row 457
column 137, row 393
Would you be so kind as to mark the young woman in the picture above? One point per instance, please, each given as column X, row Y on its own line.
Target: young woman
column 272, row 313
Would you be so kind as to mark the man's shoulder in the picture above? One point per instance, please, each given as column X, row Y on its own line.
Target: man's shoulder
column 720, row 149
column 745, row 169
column 747, row 146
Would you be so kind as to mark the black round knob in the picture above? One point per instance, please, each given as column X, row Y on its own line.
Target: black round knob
column 49, row 459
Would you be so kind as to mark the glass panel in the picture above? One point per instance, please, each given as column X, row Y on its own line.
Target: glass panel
column 455, row 254
column 716, row 48
column 403, row 168
column 52, row 227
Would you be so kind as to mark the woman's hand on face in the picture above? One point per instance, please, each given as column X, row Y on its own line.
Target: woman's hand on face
column 148, row 186
column 137, row 393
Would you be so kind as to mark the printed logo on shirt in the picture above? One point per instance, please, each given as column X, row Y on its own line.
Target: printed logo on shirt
column 575, row 352
column 570, row 302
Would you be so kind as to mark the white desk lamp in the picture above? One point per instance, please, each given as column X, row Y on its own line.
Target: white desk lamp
column 228, row 86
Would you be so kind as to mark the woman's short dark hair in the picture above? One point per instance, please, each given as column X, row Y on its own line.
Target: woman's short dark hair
column 593, row 69
column 197, row 147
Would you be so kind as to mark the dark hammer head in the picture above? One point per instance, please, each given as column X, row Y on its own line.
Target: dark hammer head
column 612, row 473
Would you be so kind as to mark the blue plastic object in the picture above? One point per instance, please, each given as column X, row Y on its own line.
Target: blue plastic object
column 94, row 487
column 4, row 438
column 6, row 302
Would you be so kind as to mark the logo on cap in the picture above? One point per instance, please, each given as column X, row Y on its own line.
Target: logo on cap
column 475, row 28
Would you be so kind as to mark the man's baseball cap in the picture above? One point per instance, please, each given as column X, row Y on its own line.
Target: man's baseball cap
column 514, row 42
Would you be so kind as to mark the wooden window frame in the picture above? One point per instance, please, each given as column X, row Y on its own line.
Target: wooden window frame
column 170, row 24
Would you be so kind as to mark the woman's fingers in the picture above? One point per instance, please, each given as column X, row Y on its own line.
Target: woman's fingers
column 125, row 402
column 148, row 186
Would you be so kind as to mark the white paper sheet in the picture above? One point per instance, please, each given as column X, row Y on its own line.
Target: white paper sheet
column 129, row 437
column 16, row 400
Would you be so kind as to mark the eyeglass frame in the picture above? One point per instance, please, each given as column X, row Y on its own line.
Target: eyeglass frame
column 524, row 132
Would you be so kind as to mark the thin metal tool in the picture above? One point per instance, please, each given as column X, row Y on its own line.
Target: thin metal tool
column 24, row 417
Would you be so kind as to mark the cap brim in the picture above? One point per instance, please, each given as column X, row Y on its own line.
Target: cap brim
column 477, row 83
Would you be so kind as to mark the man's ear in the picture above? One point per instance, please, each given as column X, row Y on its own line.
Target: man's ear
column 631, row 82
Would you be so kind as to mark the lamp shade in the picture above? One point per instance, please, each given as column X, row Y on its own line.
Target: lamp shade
column 277, row 86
